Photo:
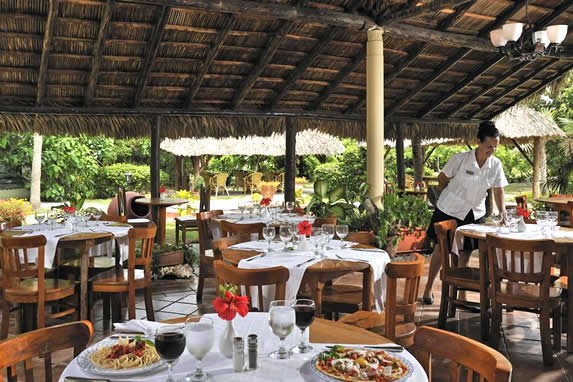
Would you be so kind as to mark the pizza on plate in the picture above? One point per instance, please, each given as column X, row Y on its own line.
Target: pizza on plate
column 359, row 364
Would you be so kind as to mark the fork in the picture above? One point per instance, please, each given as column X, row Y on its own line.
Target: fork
column 257, row 257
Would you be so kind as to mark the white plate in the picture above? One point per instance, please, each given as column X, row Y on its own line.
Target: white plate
column 87, row 365
column 328, row 378
column 136, row 221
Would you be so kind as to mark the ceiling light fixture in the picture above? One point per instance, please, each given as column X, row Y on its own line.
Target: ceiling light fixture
column 521, row 42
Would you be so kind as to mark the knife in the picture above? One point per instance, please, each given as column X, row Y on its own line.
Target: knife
column 84, row 379
column 304, row 262
column 393, row 348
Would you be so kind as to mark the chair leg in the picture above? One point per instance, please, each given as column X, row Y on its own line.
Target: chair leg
column 545, row 329
column 495, row 325
column 183, row 235
column 177, row 233
column 443, row 305
column 557, row 328
column 5, row 320
column 452, row 304
column 106, row 307
column 149, row 304
column 200, row 287
column 116, row 315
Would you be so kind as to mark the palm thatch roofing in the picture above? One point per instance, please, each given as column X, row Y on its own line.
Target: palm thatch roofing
column 240, row 67
column 307, row 142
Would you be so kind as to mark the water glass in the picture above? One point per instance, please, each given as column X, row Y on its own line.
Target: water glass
column 170, row 344
column 552, row 220
column 342, row 232
column 285, row 233
column 289, row 207
column 496, row 219
column 282, row 321
column 541, row 221
column 328, row 231
column 200, row 336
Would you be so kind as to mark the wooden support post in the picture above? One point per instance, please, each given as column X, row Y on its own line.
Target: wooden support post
column 290, row 160
column 418, row 156
column 375, row 114
column 400, row 164
column 155, row 142
column 539, row 166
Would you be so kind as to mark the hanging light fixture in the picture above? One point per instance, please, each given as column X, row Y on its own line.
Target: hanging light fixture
column 521, row 42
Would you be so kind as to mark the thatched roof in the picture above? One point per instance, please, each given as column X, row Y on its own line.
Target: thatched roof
column 307, row 142
column 239, row 67
column 525, row 123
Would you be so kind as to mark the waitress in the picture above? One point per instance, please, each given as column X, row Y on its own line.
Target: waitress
column 464, row 182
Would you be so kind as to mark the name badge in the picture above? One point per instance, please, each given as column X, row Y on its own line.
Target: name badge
column 469, row 172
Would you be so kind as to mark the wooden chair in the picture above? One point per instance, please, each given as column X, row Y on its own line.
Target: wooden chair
column 520, row 279
column 397, row 321
column 113, row 218
column 318, row 222
column 469, row 360
column 119, row 280
column 219, row 245
column 219, row 181
column 521, row 201
column 42, row 343
column 454, row 278
column 252, row 181
column 280, row 177
column 362, row 237
column 230, row 229
column 277, row 276
column 204, row 199
column 205, row 245
column 238, row 179
column 25, row 282
column 185, row 224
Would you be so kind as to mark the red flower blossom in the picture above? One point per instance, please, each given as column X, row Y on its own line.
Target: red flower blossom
column 69, row 210
column 265, row 202
column 304, row 227
column 228, row 303
column 523, row 212
column 161, row 189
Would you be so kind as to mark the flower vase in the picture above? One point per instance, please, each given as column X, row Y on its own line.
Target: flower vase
column 521, row 227
column 162, row 195
column 226, row 340
column 303, row 244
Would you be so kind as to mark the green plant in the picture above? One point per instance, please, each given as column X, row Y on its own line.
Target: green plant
column 190, row 254
column 401, row 213
column 14, row 210
column 328, row 201
column 114, row 176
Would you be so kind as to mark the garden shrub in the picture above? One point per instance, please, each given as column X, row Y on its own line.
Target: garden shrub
column 114, row 175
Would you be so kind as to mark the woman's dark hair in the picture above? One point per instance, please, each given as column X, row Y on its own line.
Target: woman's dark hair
column 487, row 129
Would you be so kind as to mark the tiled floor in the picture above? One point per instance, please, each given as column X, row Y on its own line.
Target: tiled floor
column 520, row 343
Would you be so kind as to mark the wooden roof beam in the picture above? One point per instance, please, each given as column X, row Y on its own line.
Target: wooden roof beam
column 152, row 48
column 442, row 69
column 409, row 12
column 303, row 65
column 412, row 55
column 504, row 17
column 46, row 47
column 211, row 55
column 455, row 17
column 357, row 60
column 550, row 18
column 98, row 51
column 511, row 89
column 272, row 46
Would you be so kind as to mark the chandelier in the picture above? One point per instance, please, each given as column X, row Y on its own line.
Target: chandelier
column 522, row 42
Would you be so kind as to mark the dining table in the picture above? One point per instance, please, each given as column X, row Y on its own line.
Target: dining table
column 308, row 268
column 563, row 237
column 299, row 367
column 274, row 220
column 559, row 204
column 159, row 212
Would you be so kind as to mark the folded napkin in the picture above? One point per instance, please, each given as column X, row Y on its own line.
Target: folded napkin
column 259, row 245
column 149, row 328
column 478, row 228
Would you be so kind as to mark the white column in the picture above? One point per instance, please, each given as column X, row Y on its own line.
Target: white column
column 375, row 114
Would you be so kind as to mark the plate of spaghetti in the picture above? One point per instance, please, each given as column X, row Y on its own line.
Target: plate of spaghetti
column 120, row 357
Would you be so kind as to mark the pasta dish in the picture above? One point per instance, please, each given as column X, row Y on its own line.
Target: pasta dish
column 125, row 354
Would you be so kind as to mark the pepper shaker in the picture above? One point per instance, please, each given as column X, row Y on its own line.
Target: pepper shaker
column 238, row 354
column 252, row 347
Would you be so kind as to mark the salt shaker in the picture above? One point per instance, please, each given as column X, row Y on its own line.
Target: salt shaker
column 238, row 354
column 252, row 347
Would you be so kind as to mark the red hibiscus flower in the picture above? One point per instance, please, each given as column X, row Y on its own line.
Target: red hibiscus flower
column 523, row 212
column 228, row 303
column 69, row 210
column 161, row 189
column 304, row 227
column 265, row 202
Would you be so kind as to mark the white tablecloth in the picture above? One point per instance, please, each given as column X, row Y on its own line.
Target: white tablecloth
column 53, row 237
column 296, row 263
column 297, row 368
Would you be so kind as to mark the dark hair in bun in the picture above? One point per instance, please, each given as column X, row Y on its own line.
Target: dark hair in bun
column 487, row 129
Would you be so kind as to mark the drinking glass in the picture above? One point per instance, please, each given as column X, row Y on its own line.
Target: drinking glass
column 250, row 209
column 496, row 219
column 170, row 344
column 552, row 219
column 281, row 320
column 304, row 315
column 200, row 336
column 289, row 207
column 242, row 207
column 51, row 219
column 269, row 235
column 342, row 232
column 316, row 237
column 97, row 215
column 513, row 218
column 328, row 231
column 541, row 220
column 40, row 217
column 285, row 233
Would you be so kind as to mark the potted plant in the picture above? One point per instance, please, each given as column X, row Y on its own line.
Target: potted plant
column 14, row 211
column 328, row 201
column 171, row 255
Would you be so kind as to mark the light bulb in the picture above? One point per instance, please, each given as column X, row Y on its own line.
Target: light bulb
column 497, row 38
column 557, row 33
column 512, row 31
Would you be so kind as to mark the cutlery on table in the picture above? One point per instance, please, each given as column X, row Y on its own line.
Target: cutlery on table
column 84, row 379
column 367, row 249
column 63, row 234
column 349, row 258
column 389, row 347
column 256, row 257
column 304, row 262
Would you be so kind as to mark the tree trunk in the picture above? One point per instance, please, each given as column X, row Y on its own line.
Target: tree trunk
column 418, row 157
column 36, row 176
column 179, row 172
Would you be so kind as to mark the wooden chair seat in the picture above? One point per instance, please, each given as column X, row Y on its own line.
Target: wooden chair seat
column 26, row 290
column 466, row 278
column 185, row 224
column 525, row 295
column 118, row 278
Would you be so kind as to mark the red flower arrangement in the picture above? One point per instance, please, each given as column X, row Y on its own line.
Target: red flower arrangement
column 161, row 189
column 69, row 209
column 265, row 202
column 304, row 227
column 229, row 303
column 523, row 212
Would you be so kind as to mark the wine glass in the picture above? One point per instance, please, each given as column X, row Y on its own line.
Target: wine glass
column 242, row 206
column 342, row 232
column 200, row 336
column 51, row 217
column 496, row 219
column 285, row 233
column 269, row 235
column 328, row 230
column 541, row 221
column 552, row 220
column 304, row 315
column 289, row 207
column 40, row 217
column 170, row 344
column 250, row 209
column 281, row 320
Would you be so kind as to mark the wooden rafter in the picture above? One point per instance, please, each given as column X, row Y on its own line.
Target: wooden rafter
column 455, row 17
column 469, row 79
column 522, row 151
column 504, row 17
column 555, row 14
column 212, row 54
column 353, row 6
column 409, row 12
column 303, row 65
column 413, row 53
column 98, row 51
column 46, row 47
column 510, row 89
column 357, row 60
column 443, row 69
column 151, row 52
column 274, row 43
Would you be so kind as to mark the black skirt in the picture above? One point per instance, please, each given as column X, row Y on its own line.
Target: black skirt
column 439, row 216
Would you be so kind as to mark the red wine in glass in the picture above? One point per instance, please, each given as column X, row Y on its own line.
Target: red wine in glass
column 170, row 344
column 304, row 310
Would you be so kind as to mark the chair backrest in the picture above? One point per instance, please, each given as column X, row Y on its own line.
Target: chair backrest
column 225, row 242
column 114, row 218
column 42, row 343
column 258, row 278
column 204, row 228
column 220, row 179
column 521, row 201
column 520, row 261
column 464, row 354
column 445, row 231
column 362, row 237
column 204, row 199
column 140, row 238
column 318, row 222
column 230, row 229
column 402, row 297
